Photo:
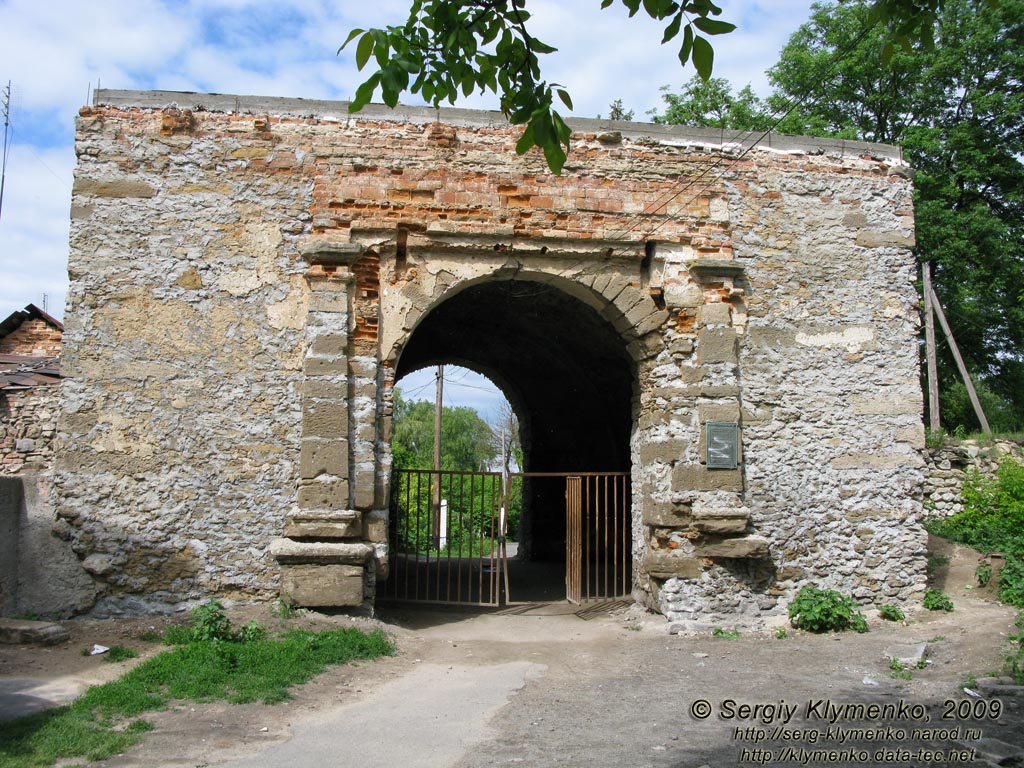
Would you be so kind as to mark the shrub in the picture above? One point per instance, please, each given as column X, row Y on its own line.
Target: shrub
column 822, row 610
column 891, row 613
column 936, row 600
column 993, row 521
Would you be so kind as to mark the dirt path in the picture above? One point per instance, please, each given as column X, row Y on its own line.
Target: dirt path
column 547, row 688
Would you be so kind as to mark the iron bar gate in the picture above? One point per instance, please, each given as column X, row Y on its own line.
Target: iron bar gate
column 447, row 535
column 598, row 558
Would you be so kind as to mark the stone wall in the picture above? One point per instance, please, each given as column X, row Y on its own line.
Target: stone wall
column 947, row 468
column 247, row 273
column 39, row 572
column 28, row 421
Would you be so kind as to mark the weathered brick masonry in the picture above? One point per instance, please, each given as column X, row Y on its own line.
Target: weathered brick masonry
column 247, row 273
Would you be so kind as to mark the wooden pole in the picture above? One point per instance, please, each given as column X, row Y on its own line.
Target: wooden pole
column 929, row 344
column 960, row 365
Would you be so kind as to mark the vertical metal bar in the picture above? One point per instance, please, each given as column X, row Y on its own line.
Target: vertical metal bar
column 506, row 482
column 604, row 508
column 444, row 555
column 586, row 529
column 494, row 548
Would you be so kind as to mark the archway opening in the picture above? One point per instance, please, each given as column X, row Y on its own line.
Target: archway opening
column 567, row 375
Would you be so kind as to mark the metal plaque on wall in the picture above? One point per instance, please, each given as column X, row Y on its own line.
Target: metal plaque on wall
column 722, row 441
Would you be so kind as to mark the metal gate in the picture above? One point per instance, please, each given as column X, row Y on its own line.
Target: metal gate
column 447, row 536
column 597, row 551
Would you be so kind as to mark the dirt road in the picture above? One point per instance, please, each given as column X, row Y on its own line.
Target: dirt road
column 547, row 688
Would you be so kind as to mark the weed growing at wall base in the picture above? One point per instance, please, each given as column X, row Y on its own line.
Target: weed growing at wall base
column 822, row 610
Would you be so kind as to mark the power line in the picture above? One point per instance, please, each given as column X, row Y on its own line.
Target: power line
column 738, row 137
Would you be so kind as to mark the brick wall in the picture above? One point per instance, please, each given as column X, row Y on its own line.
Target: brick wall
column 33, row 337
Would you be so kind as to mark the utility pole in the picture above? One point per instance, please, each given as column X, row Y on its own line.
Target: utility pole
column 438, row 400
column 929, row 347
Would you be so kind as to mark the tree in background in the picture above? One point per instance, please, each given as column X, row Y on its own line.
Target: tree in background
column 957, row 109
column 449, row 48
column 618, row 112
column 712, row 104
column 466, row 440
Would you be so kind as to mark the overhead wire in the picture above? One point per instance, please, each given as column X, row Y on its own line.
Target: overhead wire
column 737, row 138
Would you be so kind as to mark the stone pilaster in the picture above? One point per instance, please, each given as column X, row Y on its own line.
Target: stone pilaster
column 322, row 557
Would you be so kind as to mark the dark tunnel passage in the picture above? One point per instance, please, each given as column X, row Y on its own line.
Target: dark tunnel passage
column 566, row 373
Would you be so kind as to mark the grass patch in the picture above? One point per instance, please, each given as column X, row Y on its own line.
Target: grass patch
column 725, row 634
column 103, row 722
column 119, row 653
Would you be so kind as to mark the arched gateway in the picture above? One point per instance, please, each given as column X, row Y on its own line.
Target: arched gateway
column 730, row 333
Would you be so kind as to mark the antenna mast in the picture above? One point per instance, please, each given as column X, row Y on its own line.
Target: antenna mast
column 7, row 123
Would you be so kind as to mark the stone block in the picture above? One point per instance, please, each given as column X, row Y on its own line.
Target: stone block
column 749, row 547
column 330, row 345
column 364, row 484
column 679, row 296
column 663, row 451
column 718, row 313
column 697, row 477
column 375, row 526
column 17, row 631
column 335, row 586
column 325, row 366
column 666, row 514
column 717, row 345
column 119, row 188
column 721, row 521
column 869, row 238
column 323, row 457
column 325, row 524
column 326, row 389
column 291, row 552
column 660, row 564
column 326, row 301
column 332, row 494
column 325, row 418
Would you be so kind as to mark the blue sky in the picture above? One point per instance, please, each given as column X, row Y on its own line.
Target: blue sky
column 54, row 52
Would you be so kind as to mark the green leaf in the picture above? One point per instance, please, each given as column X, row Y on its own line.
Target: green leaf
column 606, row 3
column 364, row 93
column 687, row 46
column 526, row 141
column 555, row 155
column 364, row 50
column 564, row 96
column 563, row 131
column 703, row 57
column 887, row 51
column 351, row 36
column 713, row 26
column 539, row 47
column 672, row 29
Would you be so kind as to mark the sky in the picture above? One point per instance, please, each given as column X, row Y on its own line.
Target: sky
column 54, row 53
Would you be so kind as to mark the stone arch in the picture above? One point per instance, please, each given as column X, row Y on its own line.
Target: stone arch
column 587, row 419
